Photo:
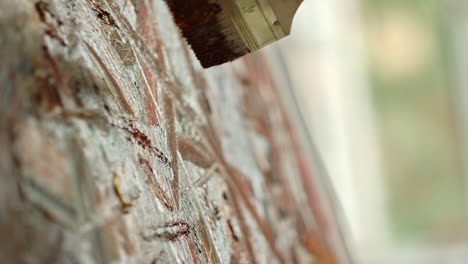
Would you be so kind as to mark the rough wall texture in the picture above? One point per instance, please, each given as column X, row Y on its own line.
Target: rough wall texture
column 116, row 147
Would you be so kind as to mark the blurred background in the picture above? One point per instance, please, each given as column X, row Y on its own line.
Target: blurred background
column 384, row 85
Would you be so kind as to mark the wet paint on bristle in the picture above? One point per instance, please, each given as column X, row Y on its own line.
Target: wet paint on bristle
column 209, row 30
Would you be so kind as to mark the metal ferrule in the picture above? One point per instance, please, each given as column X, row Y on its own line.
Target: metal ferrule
column 261, row 22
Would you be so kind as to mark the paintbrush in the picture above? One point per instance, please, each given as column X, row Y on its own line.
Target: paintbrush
column 223, row 30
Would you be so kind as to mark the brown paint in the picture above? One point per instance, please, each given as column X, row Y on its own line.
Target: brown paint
column 153, row 184
column 194, row 153
column 104, row 16
column 48, row 93
column 144, row 141
column 315, row 247
column 168, row 232
column 123, row 100
column 148, row 31
column 153, row 115
column 324, row 221
column 172, row 144
column 43, row 10
column 207, row 243
column 233, row 233
column 54, row 35
column 205, row 25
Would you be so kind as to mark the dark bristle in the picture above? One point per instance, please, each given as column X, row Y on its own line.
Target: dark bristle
column 209, row 30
